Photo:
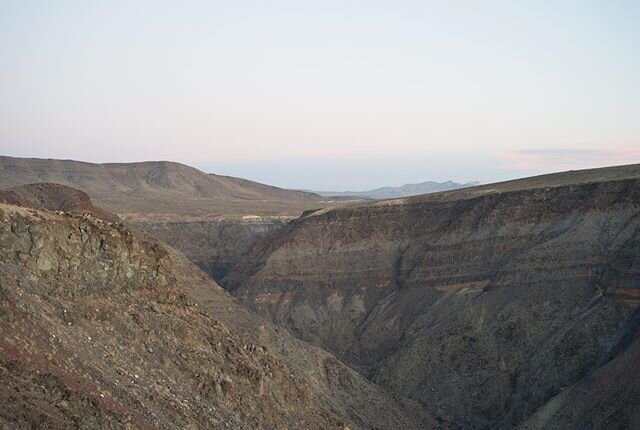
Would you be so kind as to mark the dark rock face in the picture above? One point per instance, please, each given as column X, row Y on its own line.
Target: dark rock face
column 214, row 245
column 491, row 308
column 102, row 326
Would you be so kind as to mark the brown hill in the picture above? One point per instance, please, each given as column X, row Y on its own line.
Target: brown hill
column 102, row 326
column 503, row 305
column 158, row 189
column 53, row 197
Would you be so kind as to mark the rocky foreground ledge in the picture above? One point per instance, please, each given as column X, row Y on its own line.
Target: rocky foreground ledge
column 102, row 326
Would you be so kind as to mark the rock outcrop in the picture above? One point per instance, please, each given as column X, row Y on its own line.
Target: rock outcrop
column 102, row 326
column 495, row 306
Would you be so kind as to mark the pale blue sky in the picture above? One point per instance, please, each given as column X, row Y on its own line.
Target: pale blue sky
column 325, row 95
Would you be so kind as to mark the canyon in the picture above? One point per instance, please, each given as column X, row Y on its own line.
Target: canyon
column 493, row 306
column 499, row 306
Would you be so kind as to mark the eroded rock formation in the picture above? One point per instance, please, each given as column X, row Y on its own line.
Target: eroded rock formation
column 489, row 306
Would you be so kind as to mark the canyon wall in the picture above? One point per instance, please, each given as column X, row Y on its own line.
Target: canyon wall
column 214, row 245
column 484, row 305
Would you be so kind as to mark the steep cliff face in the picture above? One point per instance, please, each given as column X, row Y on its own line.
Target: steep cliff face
column 484, row 304
column 215, row 245
column 102, row 326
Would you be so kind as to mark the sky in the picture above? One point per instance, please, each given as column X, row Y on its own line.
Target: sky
column 330, row 95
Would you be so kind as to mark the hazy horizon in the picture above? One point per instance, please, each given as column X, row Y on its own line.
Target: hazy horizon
column 327, row 96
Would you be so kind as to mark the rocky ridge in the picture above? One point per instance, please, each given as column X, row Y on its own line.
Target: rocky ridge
column 104, row 326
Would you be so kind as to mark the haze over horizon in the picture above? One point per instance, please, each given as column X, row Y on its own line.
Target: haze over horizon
column 470, row 258
column 325, row 96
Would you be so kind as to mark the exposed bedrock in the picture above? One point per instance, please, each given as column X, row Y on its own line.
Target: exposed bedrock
column 484, row 308
column 214, row 245
column 102, row 326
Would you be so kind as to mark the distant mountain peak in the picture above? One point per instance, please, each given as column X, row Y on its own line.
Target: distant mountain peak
column 406, row 190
